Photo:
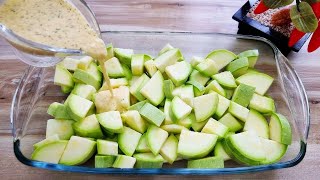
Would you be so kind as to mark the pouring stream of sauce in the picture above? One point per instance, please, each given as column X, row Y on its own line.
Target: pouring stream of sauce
column 55, row 23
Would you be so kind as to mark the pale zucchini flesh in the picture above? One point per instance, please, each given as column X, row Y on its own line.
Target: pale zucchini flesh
column 50, row 152
column 198, row 88
column 207, row 67
column 73, row 155
column 115, row 83
column 238, row 67
column 238, row 111
column 187, row 122
column 248, row 145
column 84, row 62
column 280, row 129
column 58, row 111
column 179, row 72
column 252, row 56
column 195, row 60
column 168, row 87
column 221, row 57
column 185, row 91
column 110, row 52
column 173, row 128
column 231, row 122
column 180, row 109
column 169, row 119
column 114, row 68
column 111, row 121
column 123, row 161
column 206, row 163
column 63, row 128
column 188, row 139
column 124, row 55
column 274, row 150
column 205, row 106
column 257, row 124
column 165, row 48
column 260, row 81
column 78, row 107
column 63, row 77
column 197, row 126
column 137, row 106
column 226, row 79
column 66, row 89
column 104, row 161
column 143, row 145
column 151, row 67
column 198, row 77
column 243, row 94
column 215, row 87
column 169, row 149
column 105, row 147
column 215, row 127
column 134, row 120
column 148, row 160
column 137, row 64
column 152, row 114
column 262, row 104
column 70, row 62
column 138, row 85
column 156, row 137
column 219, row 151
column 48, row 140
column 223, row 105
column 153, row 89
column 128, row 140
column 84, row 90
column 88, row 127
column 167, row 58
column 92, row 77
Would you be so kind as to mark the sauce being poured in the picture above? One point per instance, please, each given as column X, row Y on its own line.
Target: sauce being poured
column 55, row 23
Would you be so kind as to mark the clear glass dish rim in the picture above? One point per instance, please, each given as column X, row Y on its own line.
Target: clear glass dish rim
column 166, row 171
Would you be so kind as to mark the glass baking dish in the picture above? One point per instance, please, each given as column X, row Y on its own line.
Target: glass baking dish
column 36, row 91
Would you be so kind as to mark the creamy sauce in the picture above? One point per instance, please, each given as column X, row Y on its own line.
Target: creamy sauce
column 55, row 23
